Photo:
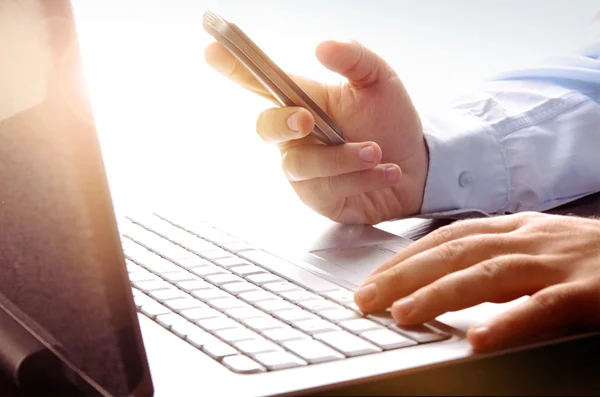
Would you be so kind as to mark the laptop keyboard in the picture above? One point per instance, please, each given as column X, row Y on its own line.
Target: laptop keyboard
column 247, row 309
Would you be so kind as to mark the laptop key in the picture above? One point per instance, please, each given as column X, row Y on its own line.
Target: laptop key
column 279, row 360
column 262, row 323
column 236, row 334
column 142, row 276
column 257, row 296
column 245, row 312
column 282, row 286
column 216, row 324
column 246, row 270
column 159, row 265
column 348, row 344
column 136, row 292
column 360, row 325
column 193, row 285
column 201, row 314
column 354, row 307
column 341, row 296
column 182, row 328
column 227, row 303
column 169, row 250
column 175, row 277
column 218, row 350
column 387, row 339
column 141, row 300
column 236, row 247
column 230, row 262
column 423, row 333
column 208, row 270
column 284, row 334
column 190, row 263
column 299, row 295
column 199, row 338
column 162, row 295
column 152, row 285
column 216, row 254
column 313, row 351
column 292, row 316
column 273, row 306
column 239, row 288
column 318, row 305
column 384, row 319
column 263, row 278
column 211, row 293
column 167, row 320
column 314, row 327
column 256, row 346
column 220, row 279
column 242, row 365
column 154, row 309
column 184, row 303
column 339, row 315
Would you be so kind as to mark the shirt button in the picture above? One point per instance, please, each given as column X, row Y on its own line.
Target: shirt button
column 466, row 179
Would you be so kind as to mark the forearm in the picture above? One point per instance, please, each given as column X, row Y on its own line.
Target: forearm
column 528, row 141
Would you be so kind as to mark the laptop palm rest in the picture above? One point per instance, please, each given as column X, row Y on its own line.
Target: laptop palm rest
column 354, row 264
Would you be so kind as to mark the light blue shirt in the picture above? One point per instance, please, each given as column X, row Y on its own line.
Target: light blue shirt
column 529, row 140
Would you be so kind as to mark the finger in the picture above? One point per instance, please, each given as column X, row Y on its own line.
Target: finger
column 361, row 66
column 546, row 313
column 426, row 267
column 501, row 279
column 318, row 161
column 220, row 59
column 452, row 232
column 279, row 125
column 323, row 192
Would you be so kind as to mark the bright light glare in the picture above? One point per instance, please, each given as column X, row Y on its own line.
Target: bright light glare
column 173, row 130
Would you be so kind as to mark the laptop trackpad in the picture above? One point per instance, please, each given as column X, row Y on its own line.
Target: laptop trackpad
column 360, row 261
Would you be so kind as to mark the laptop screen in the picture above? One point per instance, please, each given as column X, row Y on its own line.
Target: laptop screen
column 62, row 270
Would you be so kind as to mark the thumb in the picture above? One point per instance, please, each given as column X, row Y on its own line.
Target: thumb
column 361, row 66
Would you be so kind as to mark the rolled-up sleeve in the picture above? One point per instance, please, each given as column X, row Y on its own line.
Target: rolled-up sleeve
column 528, row 140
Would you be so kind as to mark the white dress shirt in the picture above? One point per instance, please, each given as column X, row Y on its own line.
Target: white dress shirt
column 529, row 140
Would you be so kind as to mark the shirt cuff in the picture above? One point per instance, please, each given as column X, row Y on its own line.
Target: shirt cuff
column 467, row 170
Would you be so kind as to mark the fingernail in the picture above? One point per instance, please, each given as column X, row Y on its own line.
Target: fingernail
column 293, row 122
column 404, row 306
column 367, row 293
column 391, row 174
column 367, row 154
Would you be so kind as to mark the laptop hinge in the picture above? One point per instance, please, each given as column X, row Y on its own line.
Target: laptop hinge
column 27, row 362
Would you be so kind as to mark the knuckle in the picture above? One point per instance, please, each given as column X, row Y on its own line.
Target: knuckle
column 443, row 234
column 437, row 291
column 450, row 250
column 291, row 164
column 547, row 300
column 524, row 218
column 397, row 275
column 490, row 269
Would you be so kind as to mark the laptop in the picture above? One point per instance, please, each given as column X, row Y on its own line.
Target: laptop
column 165, row 303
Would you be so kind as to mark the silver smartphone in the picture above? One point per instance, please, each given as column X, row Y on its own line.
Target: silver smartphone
column 279, row 84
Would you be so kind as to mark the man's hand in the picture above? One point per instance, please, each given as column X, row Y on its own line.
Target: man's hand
column 380, row 174
column 555, row 259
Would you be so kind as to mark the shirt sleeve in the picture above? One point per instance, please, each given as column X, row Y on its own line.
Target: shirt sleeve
column 528, row 140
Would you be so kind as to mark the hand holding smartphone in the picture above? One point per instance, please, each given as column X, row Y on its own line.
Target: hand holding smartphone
column 279, row 84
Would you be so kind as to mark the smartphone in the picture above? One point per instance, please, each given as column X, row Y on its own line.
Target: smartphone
column 279, row 84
